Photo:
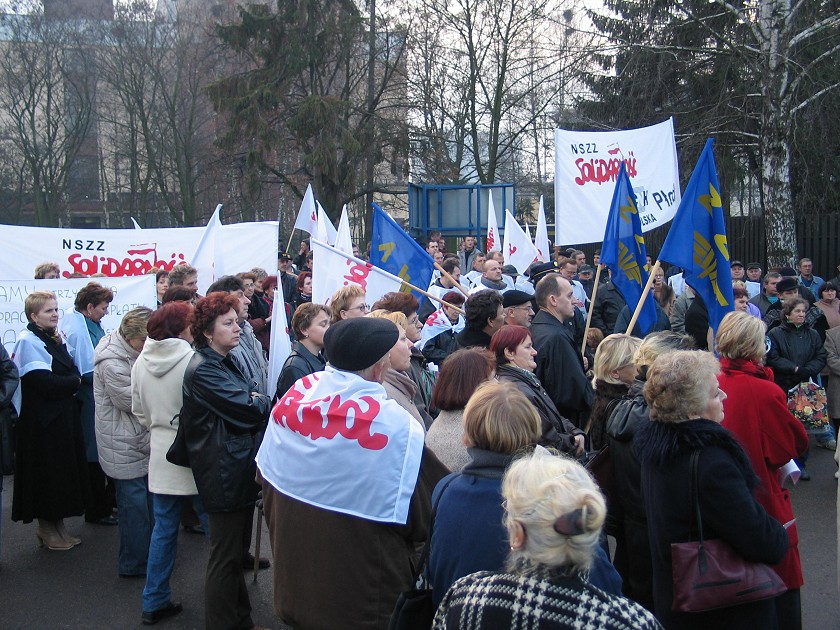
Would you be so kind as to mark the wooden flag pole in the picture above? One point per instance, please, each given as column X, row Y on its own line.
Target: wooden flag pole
column 291, row 236
column 449, row 277
column 591, row 306
column 431, row 297
column 641, row 303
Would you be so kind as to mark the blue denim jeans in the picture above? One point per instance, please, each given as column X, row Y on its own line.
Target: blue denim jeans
column 164, row 547
column 134, row 508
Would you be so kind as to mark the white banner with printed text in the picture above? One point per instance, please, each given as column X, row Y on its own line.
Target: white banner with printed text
column 128, row 293
column 586, row 167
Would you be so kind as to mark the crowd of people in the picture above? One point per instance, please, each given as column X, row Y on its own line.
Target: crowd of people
column 461, row 429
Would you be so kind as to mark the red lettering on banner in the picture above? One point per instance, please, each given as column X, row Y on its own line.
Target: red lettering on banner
column 357, row 274
column 491, row 240
column 128, row 266
column 309, row 420
column 601, row 171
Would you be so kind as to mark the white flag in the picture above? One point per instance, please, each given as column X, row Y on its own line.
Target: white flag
column 541, row 241
column 280, row 345
column 528, row 232
column 325, row 231
column 493, row 240
column 333, row 269
column 307, row 218
column 343, row 239
column 519, row 251
column 135, row 224
column 208, row 259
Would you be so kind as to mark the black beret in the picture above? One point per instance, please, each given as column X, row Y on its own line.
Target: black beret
column 356, row 344
column 515, row 298
column 786, row 284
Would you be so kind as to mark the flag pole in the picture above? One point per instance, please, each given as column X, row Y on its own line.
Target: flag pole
column 431, row 297
column 591, row 307
column 291, row 236
column 449, row 277
column 642, row 299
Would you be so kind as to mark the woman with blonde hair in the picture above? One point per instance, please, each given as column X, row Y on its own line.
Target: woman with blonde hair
column 122, row 442
column 614, row 372
column 348, row 302
column 632, row 548
column 757, row 414
column 554, row 513
column 51, row 477
column 686, row 411
column 398, row 383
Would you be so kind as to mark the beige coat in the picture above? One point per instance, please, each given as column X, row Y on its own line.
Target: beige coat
column 121, row 441
column 156, row 387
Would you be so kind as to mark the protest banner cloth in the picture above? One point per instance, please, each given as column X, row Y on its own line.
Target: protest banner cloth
column 128, row 293
column 625, row 254
column 439, row 323
column 208, row 258
column 394, row 251
column 280, row 344
column 586, row 168
column 336, row 441
column 307, row 217
column 541, row 241
column 325, row 230
column 518, row 249
column 697, row 240
column 494, row 241
column 131, row 252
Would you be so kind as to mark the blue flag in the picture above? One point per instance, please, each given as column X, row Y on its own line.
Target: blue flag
column 697, row 240
column 396, row 252
column 624, row 251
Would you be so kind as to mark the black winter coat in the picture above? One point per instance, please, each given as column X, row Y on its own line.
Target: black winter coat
column 557, row 431
column 9, row 381
column 729, row 512
column 223, row 424
column 469, row 338
column 627, row 516
column 792, row 347
column 607, row 306
column 298, row 364
column 440, row 347
column 560, row 368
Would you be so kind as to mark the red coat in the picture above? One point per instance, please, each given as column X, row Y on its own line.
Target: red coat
column 756, row 412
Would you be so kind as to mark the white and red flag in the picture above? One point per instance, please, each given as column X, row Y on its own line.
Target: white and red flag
column 343, row 238
column 336, row 441
column 493, row 239
column 541, row 241
column 333, row 269
column 439, row 323
column 307, row 218
column 519, row 251
column 325, row 230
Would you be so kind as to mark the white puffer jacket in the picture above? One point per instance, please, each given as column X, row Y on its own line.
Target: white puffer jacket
column 123, row 442
column 157, row 382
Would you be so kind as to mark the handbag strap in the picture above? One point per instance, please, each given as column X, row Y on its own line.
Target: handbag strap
column 693, row 483
column 424, row 556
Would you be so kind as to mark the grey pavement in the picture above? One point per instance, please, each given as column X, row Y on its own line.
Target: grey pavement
column 80, row 588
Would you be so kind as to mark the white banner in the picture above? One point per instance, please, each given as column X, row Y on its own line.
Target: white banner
column 586, row 167
column 129, row 293
column 518, row 249
column 118, row 253
column 333, row 269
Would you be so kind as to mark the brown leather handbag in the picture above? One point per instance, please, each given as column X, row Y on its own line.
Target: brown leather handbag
column 709, row 574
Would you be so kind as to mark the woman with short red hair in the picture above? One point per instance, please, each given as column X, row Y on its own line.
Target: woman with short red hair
column 515, row 352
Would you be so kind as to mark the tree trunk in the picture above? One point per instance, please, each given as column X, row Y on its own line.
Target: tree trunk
column 780, row 227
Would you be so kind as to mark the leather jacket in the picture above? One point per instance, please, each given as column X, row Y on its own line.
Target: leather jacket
column 223, row 425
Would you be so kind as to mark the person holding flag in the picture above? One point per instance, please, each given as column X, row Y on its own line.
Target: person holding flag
column 624, row 253
column 437, row 339
column 697, row 240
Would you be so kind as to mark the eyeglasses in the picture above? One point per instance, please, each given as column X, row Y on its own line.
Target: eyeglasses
column 415, row 321
column 361, row 307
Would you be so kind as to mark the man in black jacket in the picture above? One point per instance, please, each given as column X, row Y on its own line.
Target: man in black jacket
column 607, row 306
column 560, row 366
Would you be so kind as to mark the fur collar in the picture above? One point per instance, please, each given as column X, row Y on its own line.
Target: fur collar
column 659, row 443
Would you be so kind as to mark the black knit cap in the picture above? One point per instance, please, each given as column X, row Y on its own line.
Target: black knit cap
column 786, row 284
column 356, row 344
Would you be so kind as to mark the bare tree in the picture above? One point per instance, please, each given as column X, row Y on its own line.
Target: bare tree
column 47, row 96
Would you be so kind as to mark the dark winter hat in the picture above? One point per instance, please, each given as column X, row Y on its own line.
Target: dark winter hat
column 786, row 284
column 284, row 256
column 736, row 263
column 753, row 265
column 355, row 344
column 510, row 270
column 585, row 269
column 787, row 272
column 540, row 271
column 515, row 298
